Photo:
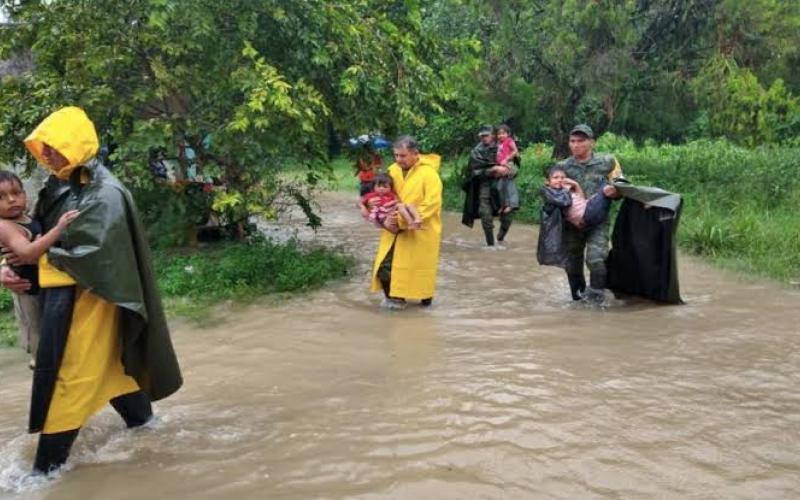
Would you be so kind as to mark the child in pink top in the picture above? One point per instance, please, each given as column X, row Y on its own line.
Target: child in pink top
column 507, row 156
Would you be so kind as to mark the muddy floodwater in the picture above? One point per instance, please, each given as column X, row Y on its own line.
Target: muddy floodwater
column 502, row 389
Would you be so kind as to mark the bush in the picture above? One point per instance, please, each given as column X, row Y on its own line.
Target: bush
column 239, row 270
column 8, row 328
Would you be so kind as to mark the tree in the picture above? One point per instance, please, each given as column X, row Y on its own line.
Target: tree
column 248, row 87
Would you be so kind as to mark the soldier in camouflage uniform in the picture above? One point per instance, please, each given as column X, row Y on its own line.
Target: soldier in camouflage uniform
column 481, row 200
column 593, row 172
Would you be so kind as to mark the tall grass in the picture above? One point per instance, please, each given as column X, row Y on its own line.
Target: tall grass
column 740, row 205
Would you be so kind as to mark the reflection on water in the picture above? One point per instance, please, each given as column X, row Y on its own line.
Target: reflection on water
column 503, row 389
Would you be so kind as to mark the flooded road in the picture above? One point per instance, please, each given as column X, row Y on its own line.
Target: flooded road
column 503, row 389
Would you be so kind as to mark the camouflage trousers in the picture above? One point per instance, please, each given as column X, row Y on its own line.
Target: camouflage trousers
column 486, row 210
column 591, row 243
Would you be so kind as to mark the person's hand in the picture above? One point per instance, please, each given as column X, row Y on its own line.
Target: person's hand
column 9, row 279
column 390, row 223
column 610, row 191
column 499, row 171
column 66, row 219
column 11, row 258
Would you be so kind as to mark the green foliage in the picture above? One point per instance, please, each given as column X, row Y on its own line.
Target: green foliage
column 737, row 106
column 248, row 86
column 8, row 326
column 239, row 270
column 545, row 66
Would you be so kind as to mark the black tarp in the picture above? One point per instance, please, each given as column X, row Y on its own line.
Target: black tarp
column 643, row 260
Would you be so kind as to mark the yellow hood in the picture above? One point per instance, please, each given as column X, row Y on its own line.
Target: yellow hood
column 70, row 132
column 431, row 159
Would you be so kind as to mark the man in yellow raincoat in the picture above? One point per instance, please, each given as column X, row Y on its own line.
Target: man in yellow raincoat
column 407, row 260
column 104, row 337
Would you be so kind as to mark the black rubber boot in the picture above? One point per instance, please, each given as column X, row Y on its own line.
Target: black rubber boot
column 134, row 408
column 53, row 451
column 505, row 225
column 577, row 285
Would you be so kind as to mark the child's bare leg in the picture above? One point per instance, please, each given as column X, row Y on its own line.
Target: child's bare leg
column 412, row 211
column 405, row 212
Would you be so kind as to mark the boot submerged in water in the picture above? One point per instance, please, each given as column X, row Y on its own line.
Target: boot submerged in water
column 595, row 297
column 577, row 285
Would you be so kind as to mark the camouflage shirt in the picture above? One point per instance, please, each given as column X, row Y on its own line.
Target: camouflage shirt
column 591, row 174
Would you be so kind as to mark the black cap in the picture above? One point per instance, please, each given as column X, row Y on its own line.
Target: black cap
column 485, row 131
column 582, row 129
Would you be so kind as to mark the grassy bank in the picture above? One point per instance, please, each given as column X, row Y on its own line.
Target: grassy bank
column 740, row 204
column 192, row 281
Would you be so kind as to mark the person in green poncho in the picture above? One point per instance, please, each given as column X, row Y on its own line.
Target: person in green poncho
column 104, row 337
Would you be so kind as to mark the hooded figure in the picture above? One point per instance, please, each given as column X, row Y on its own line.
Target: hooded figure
column 104, row 334
column 415, row 254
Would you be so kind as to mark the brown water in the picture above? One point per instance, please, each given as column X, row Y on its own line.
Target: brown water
column 503, row 389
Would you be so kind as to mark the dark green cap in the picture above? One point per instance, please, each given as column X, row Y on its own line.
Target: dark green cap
column 486, row 130
column 582, row 129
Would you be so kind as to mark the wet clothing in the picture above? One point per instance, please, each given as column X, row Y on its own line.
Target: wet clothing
column 583, row 213
column 643, row 257
column 481, row 159
column 415, row 259
column 104, row 334
column 506, row 149
column 507, row 192
column 26, row 306
column 590, row 243
column 32, row 228
column 550, row 249
column 385, row 272
column 482, row 198
column 26, row 312
column 53, row 449
column 384, row 205
column 488, row 207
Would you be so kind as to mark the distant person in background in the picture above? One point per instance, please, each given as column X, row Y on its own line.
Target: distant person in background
column 593, row 173
column 507, row 156
column 366, row 167
column 479, row 183
column 407, row 259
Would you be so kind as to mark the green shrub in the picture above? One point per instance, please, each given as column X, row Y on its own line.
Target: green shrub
column 238, row 270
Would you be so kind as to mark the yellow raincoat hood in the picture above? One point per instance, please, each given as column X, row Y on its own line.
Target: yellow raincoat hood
column 430, row 159
column 70, row 132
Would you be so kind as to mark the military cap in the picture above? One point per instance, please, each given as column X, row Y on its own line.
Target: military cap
column 582, row 129
column 486, row 130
